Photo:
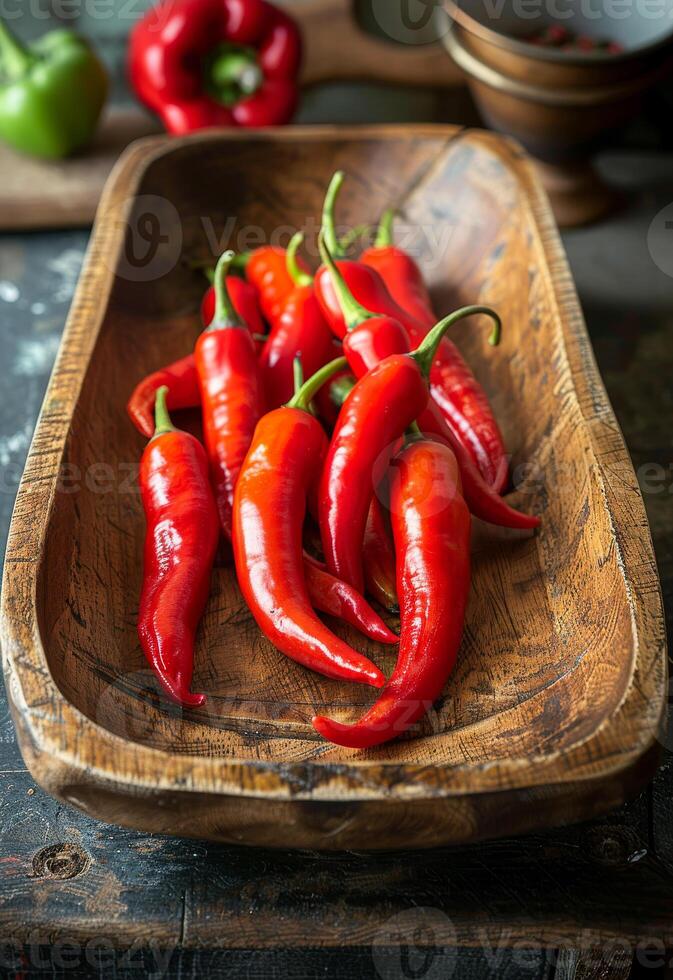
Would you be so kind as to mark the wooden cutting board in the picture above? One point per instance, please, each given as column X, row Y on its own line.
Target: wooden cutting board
column 37, row 194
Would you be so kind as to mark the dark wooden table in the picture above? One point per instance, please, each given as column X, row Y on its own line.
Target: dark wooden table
column 79, row 897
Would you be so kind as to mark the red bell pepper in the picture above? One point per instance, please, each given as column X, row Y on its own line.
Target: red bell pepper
column 201, row 63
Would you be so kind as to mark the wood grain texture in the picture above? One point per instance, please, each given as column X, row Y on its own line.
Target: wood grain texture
column 554, row 710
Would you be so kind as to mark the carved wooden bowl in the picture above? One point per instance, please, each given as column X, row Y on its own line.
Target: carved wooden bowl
column 555, row 706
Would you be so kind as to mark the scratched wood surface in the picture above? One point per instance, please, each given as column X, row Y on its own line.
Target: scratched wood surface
column 554, row 710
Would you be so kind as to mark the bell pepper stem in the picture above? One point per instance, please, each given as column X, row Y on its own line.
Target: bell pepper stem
column 232, row 74
column 384, row 235
column 15, row 57
column 298, row 276
column 425, row 353
column 225, row 314
column 354, row 313
column 328, row 223
column 162, row 419
column 303, row 398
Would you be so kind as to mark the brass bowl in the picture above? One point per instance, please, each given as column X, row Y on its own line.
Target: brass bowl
column 561, row 105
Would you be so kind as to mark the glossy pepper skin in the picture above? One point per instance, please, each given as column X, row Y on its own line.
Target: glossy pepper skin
column 336, row 598
column 459, row 395
column 368, row 340
column 380, row 408
column 201, row 63
column 278, row 474
column 299, row 331
column 400, row 273
column 181, row 377
column 266, row 269
column 231, row 393
column 431, row 528
column 454, row 386
column 244, row 299
column 180, row 544
column 378, row 557
column 51, row 93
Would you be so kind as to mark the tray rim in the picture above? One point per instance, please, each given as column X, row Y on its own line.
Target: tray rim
column 95, row 753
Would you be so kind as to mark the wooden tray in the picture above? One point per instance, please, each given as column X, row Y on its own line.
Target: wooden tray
column 554, row 710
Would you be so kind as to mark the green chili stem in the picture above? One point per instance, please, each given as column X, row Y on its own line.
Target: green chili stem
column 162, row 419
column 354, row 313
column 352, row 236
column 425, row 353
column 303, row 398
column 384, row 235
column 15, row 56
column 341, row 389
column 298, row 276
column 225, row 314
column 297, row 373
column 328, row 223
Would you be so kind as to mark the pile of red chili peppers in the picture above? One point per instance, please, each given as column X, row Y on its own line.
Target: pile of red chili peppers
column 381, row 457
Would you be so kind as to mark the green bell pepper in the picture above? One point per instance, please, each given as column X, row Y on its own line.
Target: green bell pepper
column 51, row 93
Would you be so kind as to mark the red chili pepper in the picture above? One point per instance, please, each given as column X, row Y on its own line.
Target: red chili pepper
column 182, row 382
column 431, row 527
column 456, row 390
column 281, row 467
column 370, row 337
column 181, row 377
column 231, row 393
column 378, row 411
column 266, row 269
column 483, row 500
column 300, row 330
column 459, row 395
column 244, row 298
column 378, row 557
column 200, row 63
column 336, row 598
column 180, row 543
column 401, row 274
column 368, row 340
